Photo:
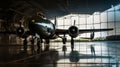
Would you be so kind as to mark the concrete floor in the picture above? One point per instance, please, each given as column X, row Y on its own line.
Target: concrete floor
column 106, row 55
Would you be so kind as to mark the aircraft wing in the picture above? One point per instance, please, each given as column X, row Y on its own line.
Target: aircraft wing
column 94, row 30
column 61, row 31
column 65, row 31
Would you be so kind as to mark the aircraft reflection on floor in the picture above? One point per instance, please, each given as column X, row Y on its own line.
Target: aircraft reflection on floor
column 75, row 56
column 56, row 58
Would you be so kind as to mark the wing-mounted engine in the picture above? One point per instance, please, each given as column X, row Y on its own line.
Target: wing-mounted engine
column 21, row 24
column 20, row 31
column 73, row 31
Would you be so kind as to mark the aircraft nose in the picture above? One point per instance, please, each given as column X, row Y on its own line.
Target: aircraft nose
column 49, row 31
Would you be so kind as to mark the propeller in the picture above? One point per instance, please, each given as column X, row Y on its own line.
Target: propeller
column 55, row 22
column 20, row 30
column 74, row 22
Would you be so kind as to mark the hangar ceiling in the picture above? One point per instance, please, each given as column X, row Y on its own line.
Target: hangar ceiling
column 52, row 8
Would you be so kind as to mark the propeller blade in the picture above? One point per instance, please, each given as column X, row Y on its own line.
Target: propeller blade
column 55, row 21
column 74, row 22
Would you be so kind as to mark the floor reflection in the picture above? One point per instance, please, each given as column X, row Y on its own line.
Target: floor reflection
column 106, row 55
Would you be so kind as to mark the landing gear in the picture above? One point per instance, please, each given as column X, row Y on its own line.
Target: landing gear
column 47, row 45
column 32, row 46
column 64, row 49
column 39, row 45
column 25, row 44
column 72, row 44
column 64, row 39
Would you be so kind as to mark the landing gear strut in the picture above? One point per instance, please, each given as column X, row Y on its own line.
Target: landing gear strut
column 39, row 45
column 64, row 49
column 64, row 40
column 25, row 44
column 32, row 45
column 47, row 45
column 72, row 44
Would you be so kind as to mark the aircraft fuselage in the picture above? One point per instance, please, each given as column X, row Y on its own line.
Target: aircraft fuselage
column 44, row 28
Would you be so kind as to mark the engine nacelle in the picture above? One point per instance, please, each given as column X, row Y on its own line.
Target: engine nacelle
column 73, row 31
column 20, row 31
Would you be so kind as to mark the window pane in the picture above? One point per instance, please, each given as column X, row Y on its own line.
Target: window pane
column 83, row 35
column 67, row 22
column 97, row 34
column 111, row 16
column 104, row 17
column 103, row 34
column 90, row 20
column 96, row 18
column 66, row 27
column 117, row 16
column 89, row 26
column 111, row 25
column 117, row 24
column 82, row 27
column 82, row 20
column 97, row 26
column 103, row 25
column 60, row 27
column 117, row 33
column 118, row 30
column 60, row 22
column 111, row 32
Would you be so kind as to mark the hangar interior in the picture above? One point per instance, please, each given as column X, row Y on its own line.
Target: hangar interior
column 105, row 44
column 106, row 19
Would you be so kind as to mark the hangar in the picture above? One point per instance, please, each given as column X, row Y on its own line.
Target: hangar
column 55, row 33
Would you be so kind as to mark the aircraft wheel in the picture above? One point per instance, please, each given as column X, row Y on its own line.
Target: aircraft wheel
column 64, row 40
